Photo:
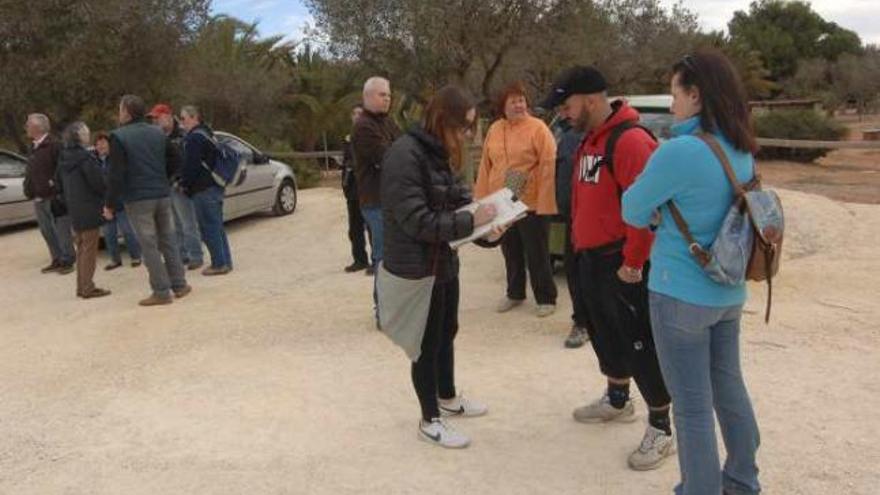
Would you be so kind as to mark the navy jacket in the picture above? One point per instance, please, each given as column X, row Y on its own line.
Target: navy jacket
column 198, row 149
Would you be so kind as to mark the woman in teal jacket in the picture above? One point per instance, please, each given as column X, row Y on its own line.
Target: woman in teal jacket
column 696, row 321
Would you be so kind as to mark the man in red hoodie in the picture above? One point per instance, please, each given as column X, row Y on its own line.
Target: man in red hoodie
column 612, row 258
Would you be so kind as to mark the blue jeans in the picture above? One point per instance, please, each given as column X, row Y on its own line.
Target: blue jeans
column 111, row 237
column 698, row 347
column 373, row 217
column 209, row 211
column 57, row 232
column 187, row 225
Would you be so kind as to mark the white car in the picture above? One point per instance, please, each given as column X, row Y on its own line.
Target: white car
column 655, row 113
column 14, row 207
column 263, row 184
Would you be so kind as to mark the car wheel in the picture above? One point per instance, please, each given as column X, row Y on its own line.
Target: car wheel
column 285, row 198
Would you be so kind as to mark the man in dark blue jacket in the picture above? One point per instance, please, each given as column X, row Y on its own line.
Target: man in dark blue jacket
column 141, row 161
column 200, row 152
column 568, row 141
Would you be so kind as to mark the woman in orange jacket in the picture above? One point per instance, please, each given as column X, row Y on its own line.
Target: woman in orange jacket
column 520, row 153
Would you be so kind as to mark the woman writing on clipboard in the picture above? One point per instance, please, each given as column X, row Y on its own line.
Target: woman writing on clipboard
column 421, row 192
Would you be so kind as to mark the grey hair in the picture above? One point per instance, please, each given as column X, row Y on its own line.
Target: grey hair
column 373, row 82
column 41, row 120
column 192, row 111
column 73, row 134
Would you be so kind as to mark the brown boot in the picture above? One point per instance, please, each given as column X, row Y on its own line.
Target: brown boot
column 155, row 300
column 96, row 292
column 183, row 291
column 211, row 271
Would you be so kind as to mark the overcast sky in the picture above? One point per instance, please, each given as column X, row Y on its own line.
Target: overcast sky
column 287, row 17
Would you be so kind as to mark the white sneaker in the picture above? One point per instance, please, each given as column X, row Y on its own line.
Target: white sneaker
column 462, row 406
column 439, row 432
column 507, row 304
column 545, row 310
column 656, row 446
column 601, row 411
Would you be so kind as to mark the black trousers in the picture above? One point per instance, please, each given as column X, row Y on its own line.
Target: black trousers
column 525, row 244
column 433, row 374
column 580, row 315
column 356, row 229
column 620, row 329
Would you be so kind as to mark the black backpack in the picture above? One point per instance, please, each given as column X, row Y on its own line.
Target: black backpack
column 611, row 143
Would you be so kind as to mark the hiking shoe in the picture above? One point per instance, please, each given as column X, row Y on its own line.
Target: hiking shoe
column 656, row 446
column 439, row 432
column 95, row 293
column 113, row 266
column 507, row 304
column 545, row 310
column 194, row 265
column 183, row 291
column 52, row 267
column 577, row 338
column 219, row 270
column 65, row 269
column 356, row 267
column 601, row 411
column 155, row 300
column 462, row 406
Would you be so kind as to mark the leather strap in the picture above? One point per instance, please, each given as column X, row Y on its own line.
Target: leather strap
column 703, row 257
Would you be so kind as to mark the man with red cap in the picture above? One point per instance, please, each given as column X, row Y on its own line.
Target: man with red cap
column 612, row 258
column 185, row 220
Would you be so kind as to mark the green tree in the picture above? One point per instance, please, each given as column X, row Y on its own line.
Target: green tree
column 320, row 97
column 785, row 32
column 236, row 77
column 75, row 58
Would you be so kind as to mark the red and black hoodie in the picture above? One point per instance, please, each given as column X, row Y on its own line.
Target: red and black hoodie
column 595, row 199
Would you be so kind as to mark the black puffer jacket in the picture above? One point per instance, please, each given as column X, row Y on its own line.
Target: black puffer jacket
column 419, row 195
column 82, row 184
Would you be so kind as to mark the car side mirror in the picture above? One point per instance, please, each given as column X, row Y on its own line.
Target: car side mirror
column 260, row 158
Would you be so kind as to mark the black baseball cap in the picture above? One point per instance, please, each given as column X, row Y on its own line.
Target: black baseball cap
column 578, row 80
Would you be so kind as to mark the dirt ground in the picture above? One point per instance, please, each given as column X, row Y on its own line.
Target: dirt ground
column 273, row 381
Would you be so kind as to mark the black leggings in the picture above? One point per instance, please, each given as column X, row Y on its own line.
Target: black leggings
column 620, row 329
column 525, row 244
column 433, row 374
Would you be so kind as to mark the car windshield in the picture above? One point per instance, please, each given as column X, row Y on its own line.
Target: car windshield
column 11, row 168
column 659, row 123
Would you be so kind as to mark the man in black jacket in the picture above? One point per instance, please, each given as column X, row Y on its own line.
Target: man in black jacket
column 142, row 159
column 373, row 134
column 200, row 156
column 356, row 226
column 39, row 185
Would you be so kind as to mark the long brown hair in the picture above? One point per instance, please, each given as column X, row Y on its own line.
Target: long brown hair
column 725, row 106
column 445, row 116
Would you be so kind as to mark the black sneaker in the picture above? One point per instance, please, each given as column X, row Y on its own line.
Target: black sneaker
column 356, row 267
column 53, row 267
column 136, row 263
column 65, row 269
column 113, row 266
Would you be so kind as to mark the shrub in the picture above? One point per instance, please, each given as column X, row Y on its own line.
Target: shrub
column 307, row 172
column 797, row 124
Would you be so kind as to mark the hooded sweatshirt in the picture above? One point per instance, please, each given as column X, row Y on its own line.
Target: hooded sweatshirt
column 596, row 192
